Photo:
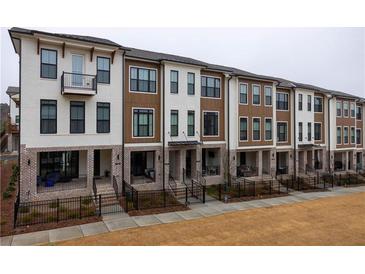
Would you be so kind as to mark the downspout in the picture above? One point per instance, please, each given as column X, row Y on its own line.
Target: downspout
column 163, row 126
column 20, row 108
column 295, row 137
column 228, row 134
column 328, row 133
column 123, row 110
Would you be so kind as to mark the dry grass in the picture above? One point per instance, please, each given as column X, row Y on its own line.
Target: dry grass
column 328, row 221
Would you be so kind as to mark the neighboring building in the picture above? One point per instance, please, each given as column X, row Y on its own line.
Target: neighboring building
column 13, row 119
column 95, row 111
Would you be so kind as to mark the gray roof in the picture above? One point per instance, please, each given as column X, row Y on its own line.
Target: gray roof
column 12, row 91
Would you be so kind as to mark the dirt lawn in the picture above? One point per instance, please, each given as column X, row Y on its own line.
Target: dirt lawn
column 327, row 221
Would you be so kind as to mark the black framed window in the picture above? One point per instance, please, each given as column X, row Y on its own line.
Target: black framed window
column 49, row 63
column 66, row 163
column 300, row 131
column 268, row 129
column 243, row 93
column 309, row 131
column 345, row 109
column 345, row 135
column 317, row 131
column 17, row 119
column 353, row 110
column 103, row 69
column 48, row 116
column 339, row 109
column 309, row 102
column 243, row 129
column 174, row 123
column 256, row 90
column 77, row 117
column 300, row 101
column 268, row 96
column 210, row 87
column 174, row 81
column 318, row 104
column 358, row 113
column 282, row 101
column 102, row 117
column 142, row 80
column 353, row 132
column 358, row 136
column 282, row 132
column 191, row 123
column 142, row 123
column 191, row 83
column 256, row 132
column 339, row 135
column 210, row 123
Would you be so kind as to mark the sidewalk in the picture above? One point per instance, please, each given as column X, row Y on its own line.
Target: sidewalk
column 123, row 221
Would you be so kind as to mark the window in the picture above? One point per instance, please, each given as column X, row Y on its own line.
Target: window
column 345, row 109
column 49, row 63
column 309, row 132
column 102, row 117
column 353, row 131
column 256, row 94
column 358, row 136
column 174, row 81
column 17, row 119
column 103, row 70
column 268, row 129
column 210, row 123
column 210, row 87
column 243, row 129
column 282, row 101
column 268, row 96
column 318, row 104
column 345, row 135
column 300, row 101
column 339, row 109
column 300, row 133
column 339, row 135
column 309, row 103
column 317, row 131
column 48, row 116
column 191, row 123
column 174, row 123
column 77, row 117
column 282, row 133
column 358, row 113
column 142, row 80
column 142, row 123
column 256, row 129
column 243, row 94
column 191, row 83
column 353, row 110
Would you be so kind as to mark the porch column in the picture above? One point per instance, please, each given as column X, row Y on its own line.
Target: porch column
column 233, row 163
column 198, row 159
column 182, row 165
column 167, row 167
column 259, row 162
column 346, row 160
column 116, row 164
column 90, row 168
column 272, row 160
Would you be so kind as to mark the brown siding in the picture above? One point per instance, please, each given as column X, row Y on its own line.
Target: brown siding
column 214, row 105
column 319, row 118
column 345, row 121
column 142, row 100
column 285, row 116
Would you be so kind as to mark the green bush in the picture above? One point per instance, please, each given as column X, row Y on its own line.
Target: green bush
column 53, row 204
column 26, row 219
column 51, row 219
column 10, row 188
column 73, row 215
column 86, row 201
column 35, row 214
column 24, row 209
column 6, row 194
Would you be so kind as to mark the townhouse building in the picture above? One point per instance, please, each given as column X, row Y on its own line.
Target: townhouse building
column 13, row 120
column 94, row 113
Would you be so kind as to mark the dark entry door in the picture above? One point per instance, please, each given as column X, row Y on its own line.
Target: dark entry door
column 96, row 162
column 138, row 162
column 188, row 163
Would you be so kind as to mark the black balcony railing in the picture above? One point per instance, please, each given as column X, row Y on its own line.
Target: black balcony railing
column 76, row 81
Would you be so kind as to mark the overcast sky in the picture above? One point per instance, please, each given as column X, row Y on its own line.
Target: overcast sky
column 332, row 58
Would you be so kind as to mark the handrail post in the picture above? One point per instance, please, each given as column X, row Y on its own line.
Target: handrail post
column 99, row 205
column 254, row 188
column 137, row 206
column 58, row 210
column 203, row 194
column 80, row 208
column 220, row 192
column 164, row 198
column 239, row 190
column 186, row 195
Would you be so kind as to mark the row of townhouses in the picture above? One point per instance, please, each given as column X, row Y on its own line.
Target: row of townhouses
column 92, row 110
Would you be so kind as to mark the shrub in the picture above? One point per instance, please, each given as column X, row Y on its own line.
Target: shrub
column 24, row 209
column 73, row 215
column 51, row 219
column 35, row 214
column 6, row 194
column 10, row 188
column 26, row 219
column 86, row 201
column 53, row 204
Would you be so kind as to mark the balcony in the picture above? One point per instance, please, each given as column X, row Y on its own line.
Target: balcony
column 78, row 84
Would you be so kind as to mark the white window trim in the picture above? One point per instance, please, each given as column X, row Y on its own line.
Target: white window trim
column 287, row 110
column 314, row 100
column 187, row 83
column 348, row 135
column 341, row 108
column 153, row 128
column 300, row 94
column 141, row 92
column 352, row 143
column 239, row 93
column 252, row 86
column 320, row 123
column 239, row 129
column 348, row 109
column 339, row 127
column 353, row 104
column 268, row 118
column 220, row 88
column 271, row 96
column 259, row 140
column 311, row 104
column 287, row 132
column 302, row 132
column 209, row 136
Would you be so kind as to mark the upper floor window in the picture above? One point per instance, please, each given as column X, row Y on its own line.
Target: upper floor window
column 17, row 119
column 282, row 101
column 191, row 123
column 268, row 129
column 143, row 80
column 142, row 123
column 174, row 81
column 210, row 123
column 318, row 104
column 300, row 133
column 300, row 101
column 77, row 117
column 268, row 96
column 191, row 83
column 358, row 136
column 339, row 109
column 49, row 63
column 358, row 113
column 102, row 117
column 243, row 94
column 243, row 129
column 309, row 103
column 174, row 123
column 210, row 87
column 346, row 135
column 48, row 116
column 309, row 131
column 256, row 90
column 345, row 109
column 103, row 70
column 353, row 110
column 317, row 131
column 256, row 136
column 339, row 135
column 353, row 131
column 282, row 131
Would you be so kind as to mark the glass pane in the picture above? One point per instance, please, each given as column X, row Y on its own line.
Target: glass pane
column 152, row 75
column 134, row 73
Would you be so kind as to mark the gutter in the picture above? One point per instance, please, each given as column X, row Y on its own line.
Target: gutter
column 228, row 134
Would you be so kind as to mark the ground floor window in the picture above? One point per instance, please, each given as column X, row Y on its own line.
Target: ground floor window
column 64, row 165
column 211, row 161
column 143, row 164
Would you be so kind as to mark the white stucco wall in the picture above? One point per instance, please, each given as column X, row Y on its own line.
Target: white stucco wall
column 14, row 110
column 304, row 115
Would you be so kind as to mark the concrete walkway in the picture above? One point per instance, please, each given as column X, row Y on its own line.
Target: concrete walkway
column 124, row 221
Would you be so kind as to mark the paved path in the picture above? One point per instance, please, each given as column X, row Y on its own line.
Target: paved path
column 124, row 221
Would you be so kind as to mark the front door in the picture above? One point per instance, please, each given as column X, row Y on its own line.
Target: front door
column 96, row 162
column 188, row 163
column 77, row 69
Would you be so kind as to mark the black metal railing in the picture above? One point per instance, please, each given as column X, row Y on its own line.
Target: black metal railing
column 95, row 189
column 78, row 81
column 115, row 187
column 349, row 179
column 246, row 171
column 211, row 171
column 16, row 209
